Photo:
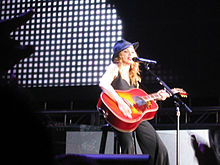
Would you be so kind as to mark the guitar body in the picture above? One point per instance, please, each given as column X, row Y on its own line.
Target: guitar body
column 136, row 99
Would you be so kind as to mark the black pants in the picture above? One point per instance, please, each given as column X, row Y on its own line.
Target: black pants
column 214, row 139
column 149, row 142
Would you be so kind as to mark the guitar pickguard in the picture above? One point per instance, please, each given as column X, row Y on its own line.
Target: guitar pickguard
column 140, row 103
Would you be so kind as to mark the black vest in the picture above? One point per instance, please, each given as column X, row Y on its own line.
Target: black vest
column 120, row 84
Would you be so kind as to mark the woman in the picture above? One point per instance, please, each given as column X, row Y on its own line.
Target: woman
column 123, row 74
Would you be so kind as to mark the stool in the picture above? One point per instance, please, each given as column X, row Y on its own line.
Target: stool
column 105, row 128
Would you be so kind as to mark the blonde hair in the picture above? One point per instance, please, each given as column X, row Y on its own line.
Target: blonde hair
column 134, row 72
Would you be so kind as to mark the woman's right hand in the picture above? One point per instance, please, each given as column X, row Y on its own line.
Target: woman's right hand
column 125, row 109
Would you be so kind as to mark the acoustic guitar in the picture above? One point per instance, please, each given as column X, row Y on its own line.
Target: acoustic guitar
column 142, row 105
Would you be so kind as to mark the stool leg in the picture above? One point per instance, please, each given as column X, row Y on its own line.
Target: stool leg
column 134, row 138
column 103, row 142
column 115, row 146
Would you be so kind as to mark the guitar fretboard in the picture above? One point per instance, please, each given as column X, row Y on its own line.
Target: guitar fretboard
column 153, row 96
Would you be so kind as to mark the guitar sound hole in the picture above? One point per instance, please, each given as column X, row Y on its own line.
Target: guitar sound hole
column 140, row 104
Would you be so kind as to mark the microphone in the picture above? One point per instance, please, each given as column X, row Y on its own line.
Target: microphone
column 143, row 60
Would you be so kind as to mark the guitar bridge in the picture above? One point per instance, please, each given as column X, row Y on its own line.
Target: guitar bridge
column 149, row 104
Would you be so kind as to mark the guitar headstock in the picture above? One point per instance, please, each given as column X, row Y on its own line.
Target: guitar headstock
column 181, row 92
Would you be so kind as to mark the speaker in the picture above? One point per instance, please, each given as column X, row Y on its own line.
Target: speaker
column 102, row 159
column 78, row 142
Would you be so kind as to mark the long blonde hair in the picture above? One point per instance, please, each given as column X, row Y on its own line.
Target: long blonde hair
column 134, row 72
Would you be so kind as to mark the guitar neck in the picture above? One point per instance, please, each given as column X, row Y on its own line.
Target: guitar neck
column 153, row 96
column 156, row 96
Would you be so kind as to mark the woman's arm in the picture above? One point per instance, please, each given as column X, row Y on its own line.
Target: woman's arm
column 106, row 80
column 105, row 84
column 164, row 95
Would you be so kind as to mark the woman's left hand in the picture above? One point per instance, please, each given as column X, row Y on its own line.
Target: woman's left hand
column 164, row 95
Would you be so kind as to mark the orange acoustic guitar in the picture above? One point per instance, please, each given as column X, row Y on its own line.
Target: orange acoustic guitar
column 142, row 105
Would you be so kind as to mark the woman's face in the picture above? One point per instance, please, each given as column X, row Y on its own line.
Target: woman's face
column 127, row 55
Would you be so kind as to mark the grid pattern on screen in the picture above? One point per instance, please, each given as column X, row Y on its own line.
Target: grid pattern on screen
column 73, row 39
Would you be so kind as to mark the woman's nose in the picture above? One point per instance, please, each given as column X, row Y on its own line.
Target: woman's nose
column 130, row 53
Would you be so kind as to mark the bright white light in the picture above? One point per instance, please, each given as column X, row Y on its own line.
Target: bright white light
column 69, row 36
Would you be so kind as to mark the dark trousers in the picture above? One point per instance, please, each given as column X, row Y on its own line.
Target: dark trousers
column 214, row 138
column 149, row 142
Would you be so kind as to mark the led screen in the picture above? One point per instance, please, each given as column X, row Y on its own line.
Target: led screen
column 73, row 40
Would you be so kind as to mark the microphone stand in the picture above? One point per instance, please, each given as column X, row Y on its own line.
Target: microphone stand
column 177, row 102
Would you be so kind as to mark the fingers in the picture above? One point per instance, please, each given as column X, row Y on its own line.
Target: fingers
column 126, row 111
column 164, row 95
column 129, row 115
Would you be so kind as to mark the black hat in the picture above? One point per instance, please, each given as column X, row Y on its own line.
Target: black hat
column 121, row 45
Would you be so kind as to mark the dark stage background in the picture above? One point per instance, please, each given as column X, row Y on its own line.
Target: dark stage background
column 183, row 36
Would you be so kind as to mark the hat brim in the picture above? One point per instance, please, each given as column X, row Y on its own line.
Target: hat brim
column 135, row 45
